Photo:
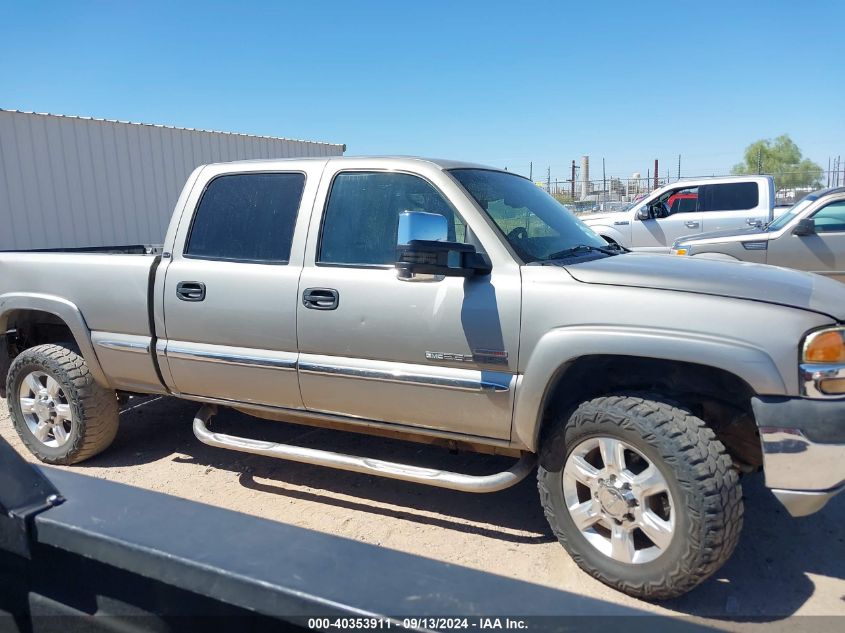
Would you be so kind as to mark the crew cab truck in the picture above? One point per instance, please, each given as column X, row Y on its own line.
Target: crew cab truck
column 809, row 236
column 688, row 208
column 450, row 303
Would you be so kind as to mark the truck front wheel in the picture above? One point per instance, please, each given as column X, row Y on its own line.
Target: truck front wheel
column 60, row 413
column 641, row 494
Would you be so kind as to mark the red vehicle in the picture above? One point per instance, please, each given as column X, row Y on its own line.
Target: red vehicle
column 682, row 202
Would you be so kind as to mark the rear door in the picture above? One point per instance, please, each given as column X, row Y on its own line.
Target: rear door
column 731, row 206
column 822, row 253
column 230, row 293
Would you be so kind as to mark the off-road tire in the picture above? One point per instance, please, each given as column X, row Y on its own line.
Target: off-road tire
column 703, row 483
column 95, row 410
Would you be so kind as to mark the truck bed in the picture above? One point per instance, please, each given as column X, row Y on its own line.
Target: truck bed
column 110, row 289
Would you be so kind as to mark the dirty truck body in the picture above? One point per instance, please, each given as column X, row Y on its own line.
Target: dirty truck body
column 450, row 303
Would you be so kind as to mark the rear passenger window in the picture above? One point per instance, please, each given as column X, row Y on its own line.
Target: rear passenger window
column 831, row 219
column 735, row 196
column 362, row 216
column 247, row 218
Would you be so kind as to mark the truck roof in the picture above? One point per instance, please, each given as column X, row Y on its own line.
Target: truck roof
column 393, row 160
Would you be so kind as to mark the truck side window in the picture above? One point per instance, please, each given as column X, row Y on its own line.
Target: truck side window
column 362, row 216
column 735, row 196
column 831, row 219
column 246, row 218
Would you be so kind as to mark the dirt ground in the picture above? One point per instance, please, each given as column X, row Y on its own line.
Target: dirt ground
column 782, row 567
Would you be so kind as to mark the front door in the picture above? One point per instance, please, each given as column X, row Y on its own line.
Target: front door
column 674, row 215
column 231, row 293
column 438, row 353
column 822, row 253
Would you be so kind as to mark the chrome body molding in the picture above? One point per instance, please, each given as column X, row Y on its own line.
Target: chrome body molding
column 368, row 466
column 122, row 342
column 285, row 361
column 443, row 378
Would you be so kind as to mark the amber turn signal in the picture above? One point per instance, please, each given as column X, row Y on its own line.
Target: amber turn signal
column 825, row 346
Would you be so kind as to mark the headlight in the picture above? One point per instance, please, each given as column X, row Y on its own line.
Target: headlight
column 825, row 346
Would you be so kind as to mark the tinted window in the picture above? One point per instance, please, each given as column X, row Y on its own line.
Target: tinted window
column 362, row 216
column 831, row 219
column 684, row 205
column 735, row 196
column 247, row 217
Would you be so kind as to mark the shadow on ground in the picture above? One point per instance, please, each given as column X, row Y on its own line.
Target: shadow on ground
column 767, row 577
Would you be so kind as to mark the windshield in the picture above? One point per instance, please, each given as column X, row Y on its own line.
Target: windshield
column 781, row 221
column 536, row 225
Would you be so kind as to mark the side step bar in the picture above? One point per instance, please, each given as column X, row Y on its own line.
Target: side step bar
column 392, row 470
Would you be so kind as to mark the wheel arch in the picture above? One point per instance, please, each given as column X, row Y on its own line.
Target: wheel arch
column 42, row 313
column 575, row 364
column 609, row 233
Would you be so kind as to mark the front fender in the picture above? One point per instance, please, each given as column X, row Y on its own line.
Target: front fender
column 68, row 312
column 562, row 346
column 608, row 231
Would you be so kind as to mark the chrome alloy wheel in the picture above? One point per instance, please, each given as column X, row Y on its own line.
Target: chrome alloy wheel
column 619, row 500
column 46, row 409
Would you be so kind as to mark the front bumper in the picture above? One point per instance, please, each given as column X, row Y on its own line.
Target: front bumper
column 803, row 444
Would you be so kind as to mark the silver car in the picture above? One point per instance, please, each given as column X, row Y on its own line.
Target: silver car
column 810, row 236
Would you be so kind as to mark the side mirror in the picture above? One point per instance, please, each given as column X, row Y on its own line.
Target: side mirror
column 422, row 249
column 643, row 214
column 807, row 226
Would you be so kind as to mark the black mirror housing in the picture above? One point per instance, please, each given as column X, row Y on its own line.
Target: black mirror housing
column 807, row 226
column 450, row 259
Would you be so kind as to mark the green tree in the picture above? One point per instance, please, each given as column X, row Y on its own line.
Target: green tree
column 782, row 159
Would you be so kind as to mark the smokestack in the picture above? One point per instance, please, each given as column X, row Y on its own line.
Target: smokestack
column 585, row 177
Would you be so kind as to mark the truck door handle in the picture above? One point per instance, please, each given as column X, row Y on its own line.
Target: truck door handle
column 691, row 224
column 320, row 298
column 754, row 221
column 190, row 290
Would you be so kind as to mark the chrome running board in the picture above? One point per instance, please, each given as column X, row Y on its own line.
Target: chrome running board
column 367, row 466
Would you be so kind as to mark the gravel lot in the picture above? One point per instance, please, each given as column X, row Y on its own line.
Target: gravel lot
column 782, row 567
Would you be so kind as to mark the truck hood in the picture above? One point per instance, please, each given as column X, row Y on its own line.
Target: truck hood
column 738, row 280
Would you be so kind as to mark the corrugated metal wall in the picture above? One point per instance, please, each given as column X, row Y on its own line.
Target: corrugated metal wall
column 73, row 182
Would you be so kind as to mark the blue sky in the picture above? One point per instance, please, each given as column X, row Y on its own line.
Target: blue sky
column 502, row 83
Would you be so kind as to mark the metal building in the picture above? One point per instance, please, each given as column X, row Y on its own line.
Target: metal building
column 68, row 181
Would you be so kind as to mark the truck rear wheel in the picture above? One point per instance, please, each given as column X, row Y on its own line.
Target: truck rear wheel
column 641, row 494
column 60, row 413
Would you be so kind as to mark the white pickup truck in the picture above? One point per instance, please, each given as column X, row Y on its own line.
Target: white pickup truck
column 688, row 208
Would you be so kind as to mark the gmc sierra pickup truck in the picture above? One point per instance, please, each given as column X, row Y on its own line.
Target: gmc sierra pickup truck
column 450, row 303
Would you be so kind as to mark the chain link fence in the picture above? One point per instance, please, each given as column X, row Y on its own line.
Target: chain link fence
column 616, row 194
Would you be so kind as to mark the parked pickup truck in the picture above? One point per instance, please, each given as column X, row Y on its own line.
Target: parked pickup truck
column 809, row 236
column 444, row 302
column 687, row 208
